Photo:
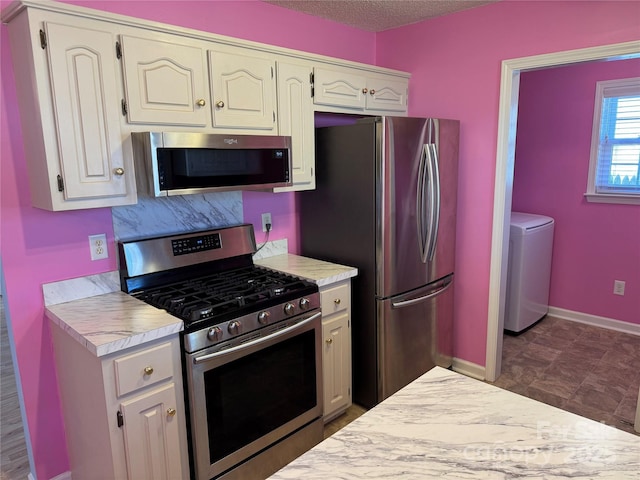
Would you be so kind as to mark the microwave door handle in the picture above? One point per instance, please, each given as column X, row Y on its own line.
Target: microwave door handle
column 257, row 341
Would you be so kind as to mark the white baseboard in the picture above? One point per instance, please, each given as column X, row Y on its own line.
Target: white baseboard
column 469, row 369
column 596, row 321
column 62, row 476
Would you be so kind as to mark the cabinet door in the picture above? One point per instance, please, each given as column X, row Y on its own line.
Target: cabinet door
column 387, row 94
column 340, row 88
column 152, row 435
column 82, row 65
column 165, row 81
column 243, row 90
column 336, row 356
column 295, row 118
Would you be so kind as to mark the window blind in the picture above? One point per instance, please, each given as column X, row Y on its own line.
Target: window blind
column 618, row 165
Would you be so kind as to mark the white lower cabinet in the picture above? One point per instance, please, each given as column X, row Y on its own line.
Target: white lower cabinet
column 336, row 354
column 124, row 412
column 152, row 434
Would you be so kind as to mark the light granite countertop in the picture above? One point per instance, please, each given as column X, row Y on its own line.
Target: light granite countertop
column 447, row 425
column 318, row 271
column 105, row 320
column 111, row 322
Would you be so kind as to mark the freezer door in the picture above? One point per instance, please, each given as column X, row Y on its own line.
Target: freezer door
column 416, row 197
column 415, row 334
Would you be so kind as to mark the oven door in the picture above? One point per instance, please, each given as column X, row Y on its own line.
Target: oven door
column 246, row 395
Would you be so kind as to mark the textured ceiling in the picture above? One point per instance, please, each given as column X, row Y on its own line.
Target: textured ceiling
column 378, row 15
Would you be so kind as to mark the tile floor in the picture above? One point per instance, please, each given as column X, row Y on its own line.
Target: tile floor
column 593, row 372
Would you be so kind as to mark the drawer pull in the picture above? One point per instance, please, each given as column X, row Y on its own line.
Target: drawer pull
column 201, row 102
column 220, row 104
column 171, row 412
column 337, row 301
column 329, row 341
column 148, row 370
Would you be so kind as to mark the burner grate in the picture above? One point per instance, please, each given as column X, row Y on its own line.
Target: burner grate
column 223, row 293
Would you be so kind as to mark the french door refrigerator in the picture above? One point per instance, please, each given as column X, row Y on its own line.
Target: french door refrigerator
column 385, row 202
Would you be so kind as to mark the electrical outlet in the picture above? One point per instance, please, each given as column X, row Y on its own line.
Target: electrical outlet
column 618, row 287
column 98, row 246
column 266, row 218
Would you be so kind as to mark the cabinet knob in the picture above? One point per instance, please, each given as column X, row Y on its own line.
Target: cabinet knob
column 119, row 171
column 201, row 102
column 219, row 104
column 171, row 411
column 337, row 301
column 329, row 341
column 372, row 92
column 364, row 90
column 148, row 370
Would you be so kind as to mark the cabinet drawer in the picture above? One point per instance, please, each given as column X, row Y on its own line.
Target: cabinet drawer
column 144, row 368
column 335, row 299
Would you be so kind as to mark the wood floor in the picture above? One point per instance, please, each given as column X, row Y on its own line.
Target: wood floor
column 14, row 462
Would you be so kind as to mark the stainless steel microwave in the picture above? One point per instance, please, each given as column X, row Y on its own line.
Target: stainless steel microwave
column 182, row 163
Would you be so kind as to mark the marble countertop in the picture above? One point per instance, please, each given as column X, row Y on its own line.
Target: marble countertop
column 111, row 322
column 447, row 425
column 320, row 272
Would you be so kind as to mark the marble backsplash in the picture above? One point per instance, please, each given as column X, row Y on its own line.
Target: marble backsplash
column 169, row 215
column 159, row 216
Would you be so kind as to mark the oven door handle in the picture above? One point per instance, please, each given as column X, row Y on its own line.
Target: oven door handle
column 258, row 341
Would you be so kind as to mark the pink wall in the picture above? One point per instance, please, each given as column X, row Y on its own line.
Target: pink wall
column 456, row 74
column 40, row 247
column 594, row 243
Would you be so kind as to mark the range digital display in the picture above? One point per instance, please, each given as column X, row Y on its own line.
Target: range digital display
column 184, row 246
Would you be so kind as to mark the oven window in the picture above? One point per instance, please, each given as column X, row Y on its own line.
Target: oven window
column 251, row 396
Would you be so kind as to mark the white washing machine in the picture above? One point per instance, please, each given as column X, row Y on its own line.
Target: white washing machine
column 529, row 270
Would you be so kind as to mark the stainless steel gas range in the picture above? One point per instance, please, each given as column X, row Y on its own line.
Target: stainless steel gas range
column 251, row 348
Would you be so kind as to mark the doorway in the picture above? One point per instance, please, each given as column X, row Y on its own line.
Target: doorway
column 505, row 159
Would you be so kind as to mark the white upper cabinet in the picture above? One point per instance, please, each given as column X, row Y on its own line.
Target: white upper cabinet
column 86, row 79
column 358, row 91
column 295, row 109
column 68, row 88
column 339, row 88
column 387, row 94
column 243, row 90
column 165, row 81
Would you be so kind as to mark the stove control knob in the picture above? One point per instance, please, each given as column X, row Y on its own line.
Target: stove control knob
column 234, row 327
column 214, row 334
column 289, row 309
column 304, row 304
column 263, row 318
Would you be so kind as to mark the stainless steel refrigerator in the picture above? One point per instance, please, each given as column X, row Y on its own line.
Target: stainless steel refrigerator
column 385, row 202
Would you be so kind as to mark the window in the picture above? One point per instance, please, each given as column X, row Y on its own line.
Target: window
column 614, row 168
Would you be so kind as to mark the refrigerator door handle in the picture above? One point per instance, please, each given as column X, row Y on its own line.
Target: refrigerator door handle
column 420, row 207
column 441, row 286
column 434, row 200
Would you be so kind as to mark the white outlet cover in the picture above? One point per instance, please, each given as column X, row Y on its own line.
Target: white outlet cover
column 98, row 246
column 618, row 287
